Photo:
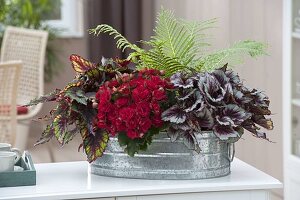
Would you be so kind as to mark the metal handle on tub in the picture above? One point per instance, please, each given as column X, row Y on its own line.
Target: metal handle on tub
column 231, row 151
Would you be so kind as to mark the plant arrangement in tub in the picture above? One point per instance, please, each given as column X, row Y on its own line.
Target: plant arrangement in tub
column 175, row 86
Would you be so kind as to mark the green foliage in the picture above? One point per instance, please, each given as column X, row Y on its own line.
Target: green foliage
column 233, row 55
column 76, row 94
column 133, row 146
column 176, row 44
column 156, row 58
column 52, row 96
column 75, row 113
column 122, row 43
column 46, row 136
column 94, row 145
column 60, row 125
column 30, row 14
column 180, row 45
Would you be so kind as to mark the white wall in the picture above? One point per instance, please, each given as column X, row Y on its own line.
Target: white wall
column 238, row 20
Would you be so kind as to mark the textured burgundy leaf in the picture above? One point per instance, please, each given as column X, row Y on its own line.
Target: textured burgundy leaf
column 45, row 98
column 225, row 132
column 194, row 122
column 174, row 114
column 262, row 121
column 233, row 77
column 211, row 88
column 205, row 118
column 190, row 141
column 236, row 113
column 174, row 134
column 46, row 136
column 178, row 81
column 198, row 99
column 221, row 77
column 225, row 120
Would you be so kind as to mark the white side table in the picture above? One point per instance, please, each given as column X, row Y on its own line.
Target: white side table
column 72, row 180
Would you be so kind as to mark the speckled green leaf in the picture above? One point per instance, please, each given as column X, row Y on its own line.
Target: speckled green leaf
column 45, row 98
column 59, row 124
column 47, row 134
column 76, row 94
column 93, row 145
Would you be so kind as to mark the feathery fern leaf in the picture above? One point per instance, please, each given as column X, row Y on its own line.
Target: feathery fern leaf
column 155, row 58
column 176, row 44
column 122, row 43
column 179, row 45
column 232, row 55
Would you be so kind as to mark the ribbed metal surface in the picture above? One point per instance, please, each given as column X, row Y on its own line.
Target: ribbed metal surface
column 166, row 160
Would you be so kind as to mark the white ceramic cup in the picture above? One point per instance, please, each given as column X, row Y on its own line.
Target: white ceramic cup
column 8, row 159
column 7, row 147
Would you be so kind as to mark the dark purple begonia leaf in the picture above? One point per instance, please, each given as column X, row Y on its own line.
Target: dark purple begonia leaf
column 236, row 113
column 211, row 88
column 183, row 126
column 259, row 110
column 221, row 77
column 225, row 120
column 174, row 133
column 216, row 101
column 193, row 122
column 262, row 121
column 225, row 132
column 186, row 94
column 261, row 134
column 250, row 126
column 240, row 131
column 224, row 68
column 198, row 100
column 189, row 139
column 211, row 83
column 228, row 88
column 260, row 98
column 228, row 97
column 178, row 81
column 240, row 97
column 233, row 77
column 224, row 82
column 245, row 90
column 175, row 114
column 205, row 118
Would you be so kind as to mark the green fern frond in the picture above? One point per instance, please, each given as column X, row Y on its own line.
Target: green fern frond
column 176, row 44
column 155, row 58
column 122, row 43
column 232, row 55
column 179, row 45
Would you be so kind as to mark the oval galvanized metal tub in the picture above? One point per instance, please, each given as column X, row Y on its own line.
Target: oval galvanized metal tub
column 168, row 160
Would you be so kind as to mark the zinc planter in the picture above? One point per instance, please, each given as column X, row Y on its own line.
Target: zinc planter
column 168, row 160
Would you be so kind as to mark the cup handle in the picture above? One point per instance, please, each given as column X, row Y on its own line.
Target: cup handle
column 18, row 154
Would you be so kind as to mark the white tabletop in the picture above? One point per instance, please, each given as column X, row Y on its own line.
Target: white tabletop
column 70, row 180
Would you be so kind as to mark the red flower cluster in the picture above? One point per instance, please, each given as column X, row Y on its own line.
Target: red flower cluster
column 131, row 103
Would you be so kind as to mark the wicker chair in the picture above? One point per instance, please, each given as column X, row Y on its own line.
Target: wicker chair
column 29, row 46
column 9, row 78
